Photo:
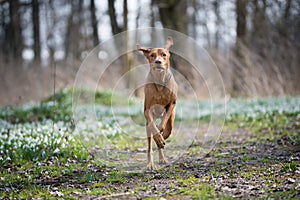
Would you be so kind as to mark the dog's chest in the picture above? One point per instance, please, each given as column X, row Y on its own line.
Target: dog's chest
column 162, row 96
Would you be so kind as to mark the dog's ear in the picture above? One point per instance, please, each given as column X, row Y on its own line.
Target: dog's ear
column 144, row 50
column 169, row 43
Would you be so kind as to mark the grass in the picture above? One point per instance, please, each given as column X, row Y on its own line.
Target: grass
column 290, row 167
column 203, row 191
column 41, row 147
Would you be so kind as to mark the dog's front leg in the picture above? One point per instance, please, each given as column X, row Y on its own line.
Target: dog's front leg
column 152, row 130
column 166, row 116
column 150, row 165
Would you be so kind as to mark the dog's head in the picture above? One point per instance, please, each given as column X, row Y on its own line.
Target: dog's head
column 158, row 58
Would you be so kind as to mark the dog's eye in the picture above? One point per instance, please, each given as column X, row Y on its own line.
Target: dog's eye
column 152, row 55
column 164, row 55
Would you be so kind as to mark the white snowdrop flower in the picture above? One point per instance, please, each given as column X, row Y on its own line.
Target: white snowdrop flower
column 56, row 150
column 62, row 129
column 29, row 146
column 46, row 139
column 8, row 142
column 4, row 136
column 19, row 144
column 59, row 140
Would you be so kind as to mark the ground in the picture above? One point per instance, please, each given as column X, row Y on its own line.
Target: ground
column 255, row 157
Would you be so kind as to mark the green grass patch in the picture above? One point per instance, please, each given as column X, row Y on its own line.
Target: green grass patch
column 203, row 191
column 290, row 194
column 289, row 167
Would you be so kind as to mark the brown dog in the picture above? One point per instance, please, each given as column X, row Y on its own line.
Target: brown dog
column 160, row 99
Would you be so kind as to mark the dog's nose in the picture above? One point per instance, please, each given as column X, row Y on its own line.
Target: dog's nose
column 157, row 62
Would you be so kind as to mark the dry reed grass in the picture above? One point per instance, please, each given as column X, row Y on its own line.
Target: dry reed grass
column 276, row 73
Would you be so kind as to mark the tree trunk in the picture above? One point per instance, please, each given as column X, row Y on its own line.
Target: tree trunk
column 241, row 15
column 73, row 36
column 241, row 31
column 15, row 31
column 284, row 30
column 173, row 14
column 194, row 20
column 113, row 17
column 94, row 23
column 36, row 30
column 216, row 5
column 260, row 32
column 125, row 16
column 128, row 57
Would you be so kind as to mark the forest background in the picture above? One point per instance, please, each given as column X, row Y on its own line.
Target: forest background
column 254, row 43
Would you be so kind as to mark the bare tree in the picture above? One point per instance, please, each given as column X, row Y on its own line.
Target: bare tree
column 116, row 28
column 94, row 23
column 173, row 14
column 241, row 19
column 36, row 30
column 193, row 19
column 127, row 59
column 216, row 5
column 5, row 50
column 260, row 31
column 241, row 41
column 73, row 34
column 14, row 35
column 286, row 21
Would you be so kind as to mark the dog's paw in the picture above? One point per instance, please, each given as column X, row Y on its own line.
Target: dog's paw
column 151, row 166
column 163, row 161
column 159, row 140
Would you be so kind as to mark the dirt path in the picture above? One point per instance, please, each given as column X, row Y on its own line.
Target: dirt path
column 242, row 165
